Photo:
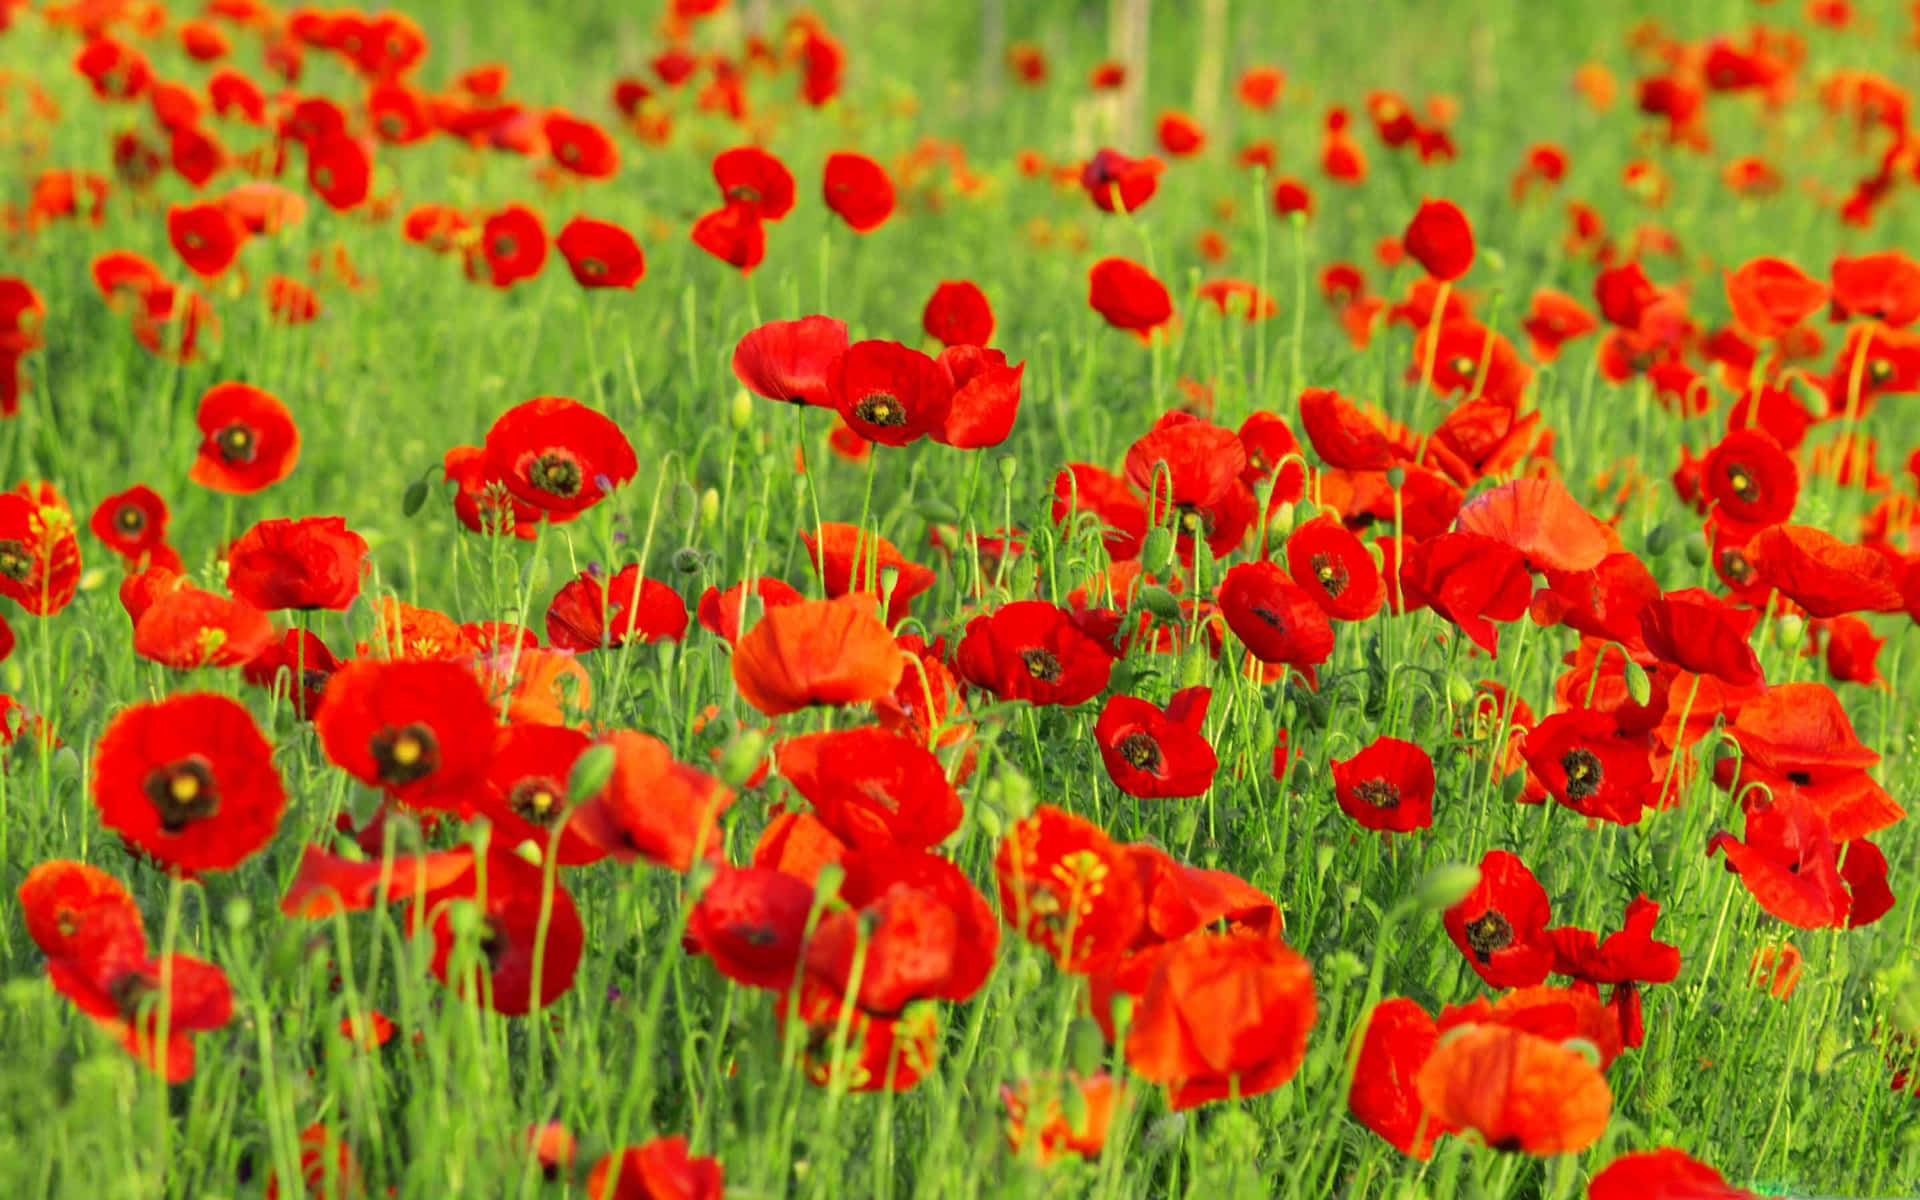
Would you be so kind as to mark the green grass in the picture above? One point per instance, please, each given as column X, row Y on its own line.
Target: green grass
column 650, row 1041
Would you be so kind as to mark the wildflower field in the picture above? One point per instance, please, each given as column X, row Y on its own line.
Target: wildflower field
column 1021, row 598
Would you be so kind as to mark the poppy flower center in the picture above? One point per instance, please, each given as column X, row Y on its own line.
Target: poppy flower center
column 193, row 241
column 569, row 153
column 1742, row 482
column 15, row 562
column 237, row 443
column 130, row 520
column 493, row 942
column 183, row 792
column 1584, row 773
column 1879, row 370
column 1462, row 365
column 536, row 801
column 1378, row 793
column 1140, row 751
column 392, row 125
column 557, row 472
column 1194, row 519
column 405, row 754
column 881, row 408
column 1331, row 572
column 1800, row 778
column 744, row 193
column 131, row 992
column 504, row 247
column 1041, row 664
column 1736, row 566
column 593, row 267
column 1487, row 933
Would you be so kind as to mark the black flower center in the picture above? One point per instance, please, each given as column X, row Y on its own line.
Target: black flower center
column 15, row 562
column 404, row 754
column 130, row 519
column 237, row 443
column 536, row 801
column 1487, row 933
column 1331, row 572
column 1736, row 566
column 1879, row 370
column 1140, row 750
column 1193, row 519
column 493, row 942
column 183, row 792
column 1269, row 616
column 744, row 193
column 1041, row 664
column 1462, row 365
column 1742, row 482
column 504, row 247
column 131, row 992
column 881, row 408
column 1378, row 793
column 1584, row 773
column 557, row 472
column 1800, row 778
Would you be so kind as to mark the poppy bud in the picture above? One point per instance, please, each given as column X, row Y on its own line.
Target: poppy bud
column 1322, row 859
column 590, row 773
column 686, row 502
column 416, row 495
column 937, row 511
column 1086, row 1047
column 1195, row 665
column 1396, row 477
column 1008, row 464
column 741, row 414
column 989, row 822
column 238, row 913
column 709, row 506
column 1157, row 551
column 1160, row 602
column 742, row 758
column 1512, row 786
column 1659, row 540
column 1017, row 799
column 1638, row 685
column 1789, row 629
column 465, row 919
column 1697, row 550
column 1459, row 690
column 687, row 560
column 1446, row 885
column 1185, row 825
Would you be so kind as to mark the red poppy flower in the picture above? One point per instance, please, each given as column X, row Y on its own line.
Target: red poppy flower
column 420, row 729
column 1279, row 620
column 816, row 652
column 74, row 911
column 1797, row 740
column 1180, row 135
column 1501, row 924
column 1222, row 1016
column 601, row 254
column 206, row 237
column 1116, row 183
column 921, row 930
column 1157, row 753
column 525, row 934
column 1554, row 320
column 1790, row 865
column 1440, row 240
column 124, row 997
column 851, row 561
column 340, row 171
column 525, row 791
column 309, row 563
column 891, row 394
column 1822, row 574
column 1334, row 567
column 187, row 628
column 734, row 235
column 289, row 301
column 195, row 155
column 1032, row 650
column 1039, row 1124
column 1751, row 478
column 586, row 615
column 1238, row 298
column 1701, row 635
column 752, row 923
column 580, row 146
column 512, row 246
column 986, row 397
column 660, row 1170
column 1128, row 295
column 39, row 555
column 1541, row 520
column 1517, row 1090
column 1388, row 786
column 324, row 884
column 1884, row 286
column 858, row 190
column 558, row 455
column 655, row 808
column 1083, row 488
column 1851, row 650
column 726, row 613
column 1665, row 1174
column 957, row 314
column 1770, row 296
column 248, row 440
column 115, row 70
column 1069, row 889
column 871, row 788
column 482, row 502
column 1469, row 358
column 1399, row 1038
column 188, row 781
column 796, row 362
column 306, row 663
column 1587, row 763
column 1342, row 435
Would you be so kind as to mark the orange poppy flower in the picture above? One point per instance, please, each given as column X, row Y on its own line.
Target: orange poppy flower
column 1770, row 295
column 660, row 1170
column 1038, row 1116
column 1517, row 1090
column 816, row 652
column 188, row 628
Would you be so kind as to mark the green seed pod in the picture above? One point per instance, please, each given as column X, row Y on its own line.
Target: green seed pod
column 1160, row 602
column 742, row 758
column 741, row 414
column 1446, row 885
column 1459, row 688
column 1157, row 551
column 414, row 497
column 1697, row 552
column 1638, row 685
column 687, row 560
column 1659, row 540
column 238, row 913
column 1396, row 477
column 709, row 506
column 1789, row 630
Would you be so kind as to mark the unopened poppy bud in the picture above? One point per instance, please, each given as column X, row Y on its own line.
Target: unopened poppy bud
column 1512, row 786
column 1343, row 966
column 1283, row 520
column 937, row 511
column 1195, row 666
column 238, row 913
column 686, row 560
column 989, row 822
column 1086, row 1046
column 827, row 883
column 1157, row 551
column 889, row 578
column 1322, row 859
column 1185, row 826
column 709, row 506
column 686, row 502
column 1790, row 629
column 1697, row 549
column 1659, row 540
column 1160, row 602
column 1016, row 793
column 416, row 495
column 1073, row 1106
column 465, row 920
column 529, row 852
column 1638, row 685
column 742, row 758
column 1446, row 885
column 1008, row 464
column 741, row 414
column 1396, row 477
column 590, row 773
column 1349, row 894
column 1302, row 510
column 1459, row 689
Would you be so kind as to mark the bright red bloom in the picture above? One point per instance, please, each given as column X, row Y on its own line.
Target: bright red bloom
column 1128, row 295
column 1342, row 435
column 1798, row 742
column 123, row 996
column 1032, row 650
column 558, row 455
column 1069, row 889
column 1470, row 580
column 924, row 931
column 587, row 615
column 872, row 789
column 1116, row 183
column 1157, row 753
column 986, row 397
column 1586, row 762
column 307, row 664
column 892, row 394
column 660, row 1170
column 1388, row 786
column 115, row 70
column 858, row 190
column 796, row 362
column 726, row 613
column 1083, row 488
column 248, row 440
column 206, row 237
column 1851, row 650
column 1750, row 478
column 655, row 808
column 419, row 729
column 1334, row 567
column 187, row 628
column 957, row 314
column 1700, row 634
column 1180, row 135
column 1543, row 522
column 1279, row 620
column 324, row 884
column 752, row 923
column 188, row 781
column 580, row 146
column 1665, row 1174
column 851, row 561
column 1883, row 286
column 1791, row 866
column 524, row 933
column 74, row 911
column 1501, row 924
column 1822, row 574
column 1770, row 296
column 1440, row 240
column 525, row 792
column 1469, row 358
column 1399, row 1038
column 512, row 246
column 1554, row 320
column 1051, row 1131
column 340, row 171
column 734, row 235
column 309, row 563
column 601, row 254
column 1517, row 1090
column 755, row 180
column 39, row 555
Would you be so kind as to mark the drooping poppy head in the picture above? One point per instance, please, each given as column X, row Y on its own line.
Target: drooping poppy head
column 512, row 246
column 1751, row 479
column 585, row 615
column 248, row 440
column 80, row 912
column 871, row 788
column 1117, row 183
column 206, row 237
column 1335, row 568
column 659, row 1170
column 795, row 362
column 420, row 730
column 752, row 179
column 1501, row 924
column 1388, row 786
column 1440, row 240
column 185, row 628
column 986, row 397
column 957, row 314
column 304, row 563
column 580, row 146
column 1222, row 1015
column 188, row 781
column 1385, row 1097
column 601, row 254
column 816, row 652
column 1128, row 295
column 857, row 189
column 1517, row 1090
column 1770, row 296
column 1154, row 752
column 890, row 393
column 1034, row 651
column 527, row 927
column 1277, row 619
column 558, row 455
